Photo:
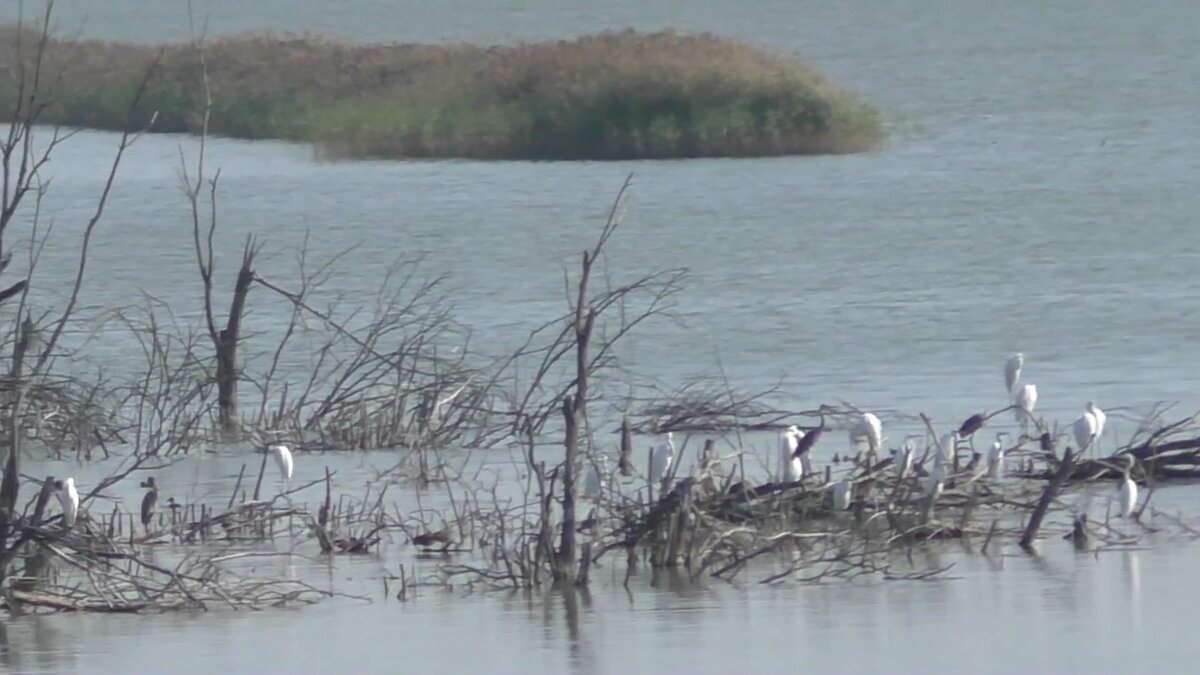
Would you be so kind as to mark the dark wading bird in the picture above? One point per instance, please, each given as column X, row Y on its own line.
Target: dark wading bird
column 149, row 502
column 430, row 539
column 972, row 424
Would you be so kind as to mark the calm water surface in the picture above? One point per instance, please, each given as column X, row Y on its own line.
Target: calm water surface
column 1037, row 193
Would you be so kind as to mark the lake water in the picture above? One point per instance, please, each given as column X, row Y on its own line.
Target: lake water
column 1037, row 193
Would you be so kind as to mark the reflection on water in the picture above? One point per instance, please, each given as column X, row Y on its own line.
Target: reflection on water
column 1003, row 612
column 1038, row 193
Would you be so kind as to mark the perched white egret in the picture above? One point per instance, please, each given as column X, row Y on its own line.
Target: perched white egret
column 903, row 458
column 843, row 492
column 68, row 499
column 995, row 460
column 1127, row 496
column 936, row 479
column 1085, row 432
column 791, row 467
column 868, row 428
column 947, row 446
column 1026, row 401
column 595, row 481
column 661, row 458
column 1012, row 370
column 283, row 459
column 1100, row 418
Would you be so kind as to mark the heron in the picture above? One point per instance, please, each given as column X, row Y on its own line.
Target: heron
column 791, row 466
column 1127, row 494
column 1085, row 431
column 935, row 481
column 595, row 483
column 995, row 460
column 149, row 502
column 870, row 428
column 1100, row 417
column 661, row 459
column 843, row 492
column 903, row 458
column 283, row 459
column 1026, row 401
column 972, row 424
column 1012, row 370
column 68, row 499
column 806, row 442
column 947, row 446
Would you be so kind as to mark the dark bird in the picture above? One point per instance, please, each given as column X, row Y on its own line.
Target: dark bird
column 1078, row 533
column 809, row 439
column 174, row 506
column 429, row 539
column 971, row 425
column 1046, row 443
column 149, row 502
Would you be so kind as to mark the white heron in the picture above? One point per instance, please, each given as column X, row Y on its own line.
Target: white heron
column 283, row 459
column 68, row 499
column 1012, row 370
column 995, row 460
column 791, row 467
column 595, row 481
column 936, row 478
column 869, row 428
column 1127, row 495
column 1100, row 417
column 661, row 458
column 1026, row 401
column 843, row 492
column 903, row 458
column 1085, row 432
column 948, row 445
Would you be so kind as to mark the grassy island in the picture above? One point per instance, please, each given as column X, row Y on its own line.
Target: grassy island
column 615, row 95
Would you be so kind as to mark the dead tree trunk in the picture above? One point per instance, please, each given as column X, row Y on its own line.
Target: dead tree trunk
column 575, row 416
column 226, row 343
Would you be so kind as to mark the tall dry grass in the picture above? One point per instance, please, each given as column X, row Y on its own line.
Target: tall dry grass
column 607, row 96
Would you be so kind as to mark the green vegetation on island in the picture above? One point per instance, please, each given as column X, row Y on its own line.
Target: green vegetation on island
column 615, row 95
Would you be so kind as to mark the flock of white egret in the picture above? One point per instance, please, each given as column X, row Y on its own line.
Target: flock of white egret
column 795, row 455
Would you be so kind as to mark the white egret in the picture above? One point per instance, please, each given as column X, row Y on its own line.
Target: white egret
column 791, row 467
column 1100, row 417
column 595, row 481
column 1026, row 401
column 903, row 458
column 1085, row 432
column 1128, row 493
column 661, row 458
column 947, row 446
column 869, row 428
column 1012, row 370
column 283, row 459
column 995, row 460
column 68, row 499
column 843, row 492
column 936, row 479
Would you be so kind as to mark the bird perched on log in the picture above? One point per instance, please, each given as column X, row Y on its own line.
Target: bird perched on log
column 1012, row 370
column 972, row 424
column 149, row 502
column 68, row 499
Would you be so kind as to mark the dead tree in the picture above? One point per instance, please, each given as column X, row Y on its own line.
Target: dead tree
column 224, row 340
